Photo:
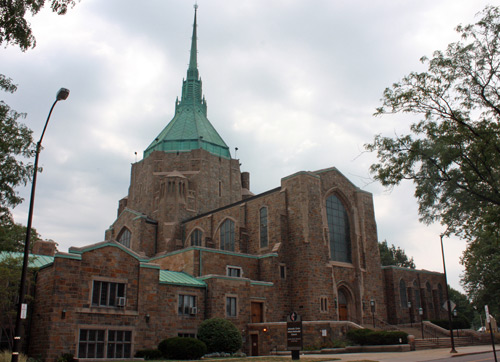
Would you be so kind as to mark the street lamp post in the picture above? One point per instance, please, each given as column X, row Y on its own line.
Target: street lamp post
column 453, row 350
column 409, row 313
column 21, row 310
column 421, row 313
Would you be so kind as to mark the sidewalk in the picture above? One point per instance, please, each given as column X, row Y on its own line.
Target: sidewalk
column 413, row 356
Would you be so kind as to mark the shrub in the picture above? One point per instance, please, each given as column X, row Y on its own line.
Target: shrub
column 459, row 322
column 220, row 335
column 6, row 356
column 369, row 337
column 65, row 357
column 149, row 354
column 182, row 348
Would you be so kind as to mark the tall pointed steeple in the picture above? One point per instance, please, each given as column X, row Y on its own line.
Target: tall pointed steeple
column 190, row 128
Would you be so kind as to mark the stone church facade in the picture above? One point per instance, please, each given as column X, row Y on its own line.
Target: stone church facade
column 191, row 242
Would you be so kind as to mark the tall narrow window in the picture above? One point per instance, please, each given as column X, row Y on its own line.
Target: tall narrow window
column 263, row 227
column 231, row 304
column 124, row 237
column 402, row 294
column 196, row 236
column 339, row 230
column 227, row 235
column 417, row 295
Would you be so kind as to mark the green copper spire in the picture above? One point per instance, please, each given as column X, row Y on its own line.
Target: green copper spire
column 190, row 128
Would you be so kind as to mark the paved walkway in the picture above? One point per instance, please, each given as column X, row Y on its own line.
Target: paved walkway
column 413, row 356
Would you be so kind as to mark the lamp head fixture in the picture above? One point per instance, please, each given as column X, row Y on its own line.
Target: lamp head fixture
column 62, row 94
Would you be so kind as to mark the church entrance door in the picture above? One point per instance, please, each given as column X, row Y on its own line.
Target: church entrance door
column 342, row 304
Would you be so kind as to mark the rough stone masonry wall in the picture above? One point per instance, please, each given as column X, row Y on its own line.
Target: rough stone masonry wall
column 432, row 306
column 305, row 249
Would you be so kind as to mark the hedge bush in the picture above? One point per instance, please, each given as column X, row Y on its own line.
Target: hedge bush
column 220, row 335
column 182, row 348
column 149, row 354
column 373, row 338
column 459, row 322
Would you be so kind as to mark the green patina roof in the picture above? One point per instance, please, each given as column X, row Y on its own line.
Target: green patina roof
column 35, row 261
column 190, row 128
column 180, row 278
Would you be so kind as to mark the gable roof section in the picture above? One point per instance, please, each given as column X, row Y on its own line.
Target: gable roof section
column 35, row 261
column 180, row 278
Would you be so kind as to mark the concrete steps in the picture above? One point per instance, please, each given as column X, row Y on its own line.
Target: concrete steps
column 429, row 343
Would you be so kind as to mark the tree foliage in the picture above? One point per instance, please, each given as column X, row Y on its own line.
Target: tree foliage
column 10, row 274
column 481, row 281
column 15, row 29
column 452, row 154
column 16, row 141
column 390, row 255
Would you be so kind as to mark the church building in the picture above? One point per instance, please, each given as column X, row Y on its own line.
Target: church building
column 192, row 242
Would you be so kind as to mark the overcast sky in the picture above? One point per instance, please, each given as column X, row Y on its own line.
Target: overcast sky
column 292, row 83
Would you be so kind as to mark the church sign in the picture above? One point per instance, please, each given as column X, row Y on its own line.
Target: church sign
column 294, row 332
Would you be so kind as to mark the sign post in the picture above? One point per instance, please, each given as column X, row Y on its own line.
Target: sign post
column 488, row 320
column 294, row 334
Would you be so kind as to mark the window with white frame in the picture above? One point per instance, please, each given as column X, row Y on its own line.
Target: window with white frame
column 108, row 294
column 187, row 304
column 231, row 306
column 102, row 343
column 233, row 271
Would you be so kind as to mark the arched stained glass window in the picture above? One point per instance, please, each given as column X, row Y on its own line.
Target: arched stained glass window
column 339, row 230
column 402, row 294
column 124, row 237
column 227, row 235
column 196, row 237
column 263, row 227
column 418, row 303
column 440, row 294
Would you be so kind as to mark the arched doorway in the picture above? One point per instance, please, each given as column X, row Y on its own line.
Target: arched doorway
column 343, row 305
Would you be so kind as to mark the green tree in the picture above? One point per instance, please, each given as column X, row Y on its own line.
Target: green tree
column 390, row 255
column 15, row 29
column 16, row 141
column 464, row 306
column 10, row 274
column 481, row 260
column 452, row 154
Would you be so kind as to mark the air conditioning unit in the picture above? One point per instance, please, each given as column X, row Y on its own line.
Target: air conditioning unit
column 121, row 301
column 193, row 310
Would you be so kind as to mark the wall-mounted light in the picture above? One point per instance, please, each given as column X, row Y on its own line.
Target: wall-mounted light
column 409, row 305
column 147, row 318
column 63, row 314
column 264, row 329
column 421, row 311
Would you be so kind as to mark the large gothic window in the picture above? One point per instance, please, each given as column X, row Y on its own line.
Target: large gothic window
column 417, row 294
column 227, row 235
column 124, row 237
column 263, row 227
column 196, row 236
column 339, row 230
column 402, row 294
